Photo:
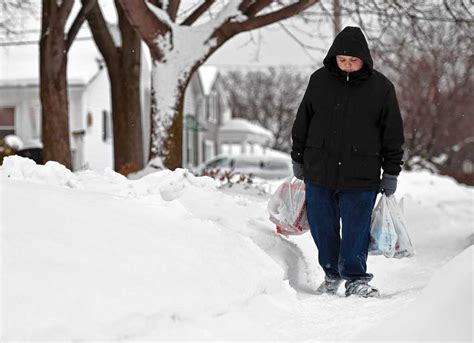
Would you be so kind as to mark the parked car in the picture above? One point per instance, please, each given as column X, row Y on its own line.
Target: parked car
column 274, row 165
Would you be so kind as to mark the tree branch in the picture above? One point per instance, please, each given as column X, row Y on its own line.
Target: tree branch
column 173, row 9
column 78, row 21
column 102, row 35
column 275, row 16
column 197, row 12
column 256, row 7
column 64, row 10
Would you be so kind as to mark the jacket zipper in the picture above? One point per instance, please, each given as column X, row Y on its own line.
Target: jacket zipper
column 340, row 139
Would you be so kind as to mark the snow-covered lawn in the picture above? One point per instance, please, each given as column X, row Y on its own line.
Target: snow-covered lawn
column 93, row 255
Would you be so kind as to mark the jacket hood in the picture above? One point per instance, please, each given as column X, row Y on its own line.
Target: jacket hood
column 349, row 42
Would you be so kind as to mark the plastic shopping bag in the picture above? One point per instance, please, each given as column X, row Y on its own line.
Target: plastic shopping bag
column 404, row 246
column 383, row 237
column 287, row 208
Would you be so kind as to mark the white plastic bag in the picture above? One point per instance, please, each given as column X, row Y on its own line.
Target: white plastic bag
column 388, row 231
column 383, row 237
column 287, row 208
column 404, row 246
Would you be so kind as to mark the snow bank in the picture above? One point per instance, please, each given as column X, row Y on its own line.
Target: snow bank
column 442, row 312
column 105, row 259
column 93, row 255
column 52, row 173
column 170, row 185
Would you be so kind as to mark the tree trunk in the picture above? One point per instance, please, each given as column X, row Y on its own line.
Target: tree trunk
column 174, row 143
column 123, row 66
column 54, row 101
column 127, row 126
column 166, row 139
column 126, row 106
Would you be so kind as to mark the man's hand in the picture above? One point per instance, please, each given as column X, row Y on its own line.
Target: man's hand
column 298, row 170
column 388, row 185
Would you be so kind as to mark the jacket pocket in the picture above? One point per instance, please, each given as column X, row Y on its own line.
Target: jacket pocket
column 366, row 150
column 366, row 161
column 315, row 159
column 315, row 142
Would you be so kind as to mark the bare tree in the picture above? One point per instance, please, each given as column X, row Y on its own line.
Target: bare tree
column 11, row 11
column 267, row 97
column 55, row 43
column 123, row 66
column 435, row 81
column 179, row 48
column 378, row 17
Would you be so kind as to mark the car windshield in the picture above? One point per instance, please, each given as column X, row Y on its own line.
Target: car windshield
column 275, row 165
column 238, row 163
column 220, row 162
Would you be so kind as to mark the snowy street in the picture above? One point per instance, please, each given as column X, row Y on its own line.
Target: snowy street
column 93, row 255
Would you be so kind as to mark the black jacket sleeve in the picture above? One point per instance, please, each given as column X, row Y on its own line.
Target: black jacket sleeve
column 392, row 134
column 301, row 125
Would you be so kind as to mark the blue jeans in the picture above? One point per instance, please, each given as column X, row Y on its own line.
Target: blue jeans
column 344, row 258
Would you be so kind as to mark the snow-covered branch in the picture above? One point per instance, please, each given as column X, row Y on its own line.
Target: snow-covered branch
column 145, row 23
column 161, row 14
column 178, row 50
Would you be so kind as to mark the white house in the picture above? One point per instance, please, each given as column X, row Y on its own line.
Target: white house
column 206, row 107
column 89, row 100
column 240, row 136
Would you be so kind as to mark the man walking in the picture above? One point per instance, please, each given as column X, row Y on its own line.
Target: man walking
column 348, row 126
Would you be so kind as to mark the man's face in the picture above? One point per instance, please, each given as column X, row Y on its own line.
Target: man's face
column 349, row 63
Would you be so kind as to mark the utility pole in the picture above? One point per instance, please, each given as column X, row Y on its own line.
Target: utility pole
column 337, row 16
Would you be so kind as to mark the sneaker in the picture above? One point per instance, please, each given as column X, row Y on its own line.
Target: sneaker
column 329, row 286
column 362, row 289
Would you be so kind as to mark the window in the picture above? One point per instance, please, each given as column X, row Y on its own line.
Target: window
column 7, row 121
column 34, row 112
column 212, row 108
column 106, row 126
column 209, row 151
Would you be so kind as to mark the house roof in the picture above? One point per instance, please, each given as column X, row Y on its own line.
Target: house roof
column 239, row 130
column 207, row 75
column 20, row 63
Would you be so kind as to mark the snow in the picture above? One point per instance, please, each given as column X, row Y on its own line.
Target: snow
column 449, row 288
column 94, row 256
column 52, row 173
column 243, row 125
column 208, row 75
column 161, row 14
column 33, row 143
column 13, row 141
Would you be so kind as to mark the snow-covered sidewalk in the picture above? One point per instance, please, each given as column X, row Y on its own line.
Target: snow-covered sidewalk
column 169, row 256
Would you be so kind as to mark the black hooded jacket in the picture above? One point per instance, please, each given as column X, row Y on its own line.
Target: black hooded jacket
column 348, row 125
